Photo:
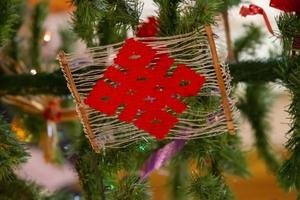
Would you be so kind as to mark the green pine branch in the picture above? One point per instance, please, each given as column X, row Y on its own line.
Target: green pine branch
column 129, row 187
column 105, row 21
column 98, row 172
column 54, row 83
column 10, row 18
column 289, row 26
column 99, row 22
column 289, row 173
column 12, row 153
column 176, row 17
column 249, row 42
column 209, row 187
column 255, row 106
column 38, row 18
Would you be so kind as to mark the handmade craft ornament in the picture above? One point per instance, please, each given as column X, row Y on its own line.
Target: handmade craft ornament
column 144, row 94
column 145, row 91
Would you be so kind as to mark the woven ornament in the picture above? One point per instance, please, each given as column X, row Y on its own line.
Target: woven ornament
column 144, row 88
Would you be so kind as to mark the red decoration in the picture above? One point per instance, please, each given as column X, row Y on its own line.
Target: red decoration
column 286, row 5
column 148, row 29
column 254, row 10
column 139, row 82
column 289, row 6
column 296, row 43
column 53, row 111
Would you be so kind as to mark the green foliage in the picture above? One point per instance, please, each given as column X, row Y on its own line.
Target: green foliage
column 98, row 171
column 19, row 189
column 105, row 21
column 231, row 3
column 288, row 71
column 179, row 178
column 100, row 22
column 38, row 18
column 24, row 84
column 121, row 15
column 67, row 38
column 259, row 97
column 127, row 188
column 178, row 16
column 262, row 71
column 12, row 153
column 214, row 156
column 168, row 16
column 230, row 158
column 289, row 26
column 11, row 46
column 85, row 18
column 63, row 195
column 88, row 169
column 225, row 149
column 210, row 187
column 249, row 42
column 41, row 83
column 202, row 13
column 10, row 18
column 289, row 173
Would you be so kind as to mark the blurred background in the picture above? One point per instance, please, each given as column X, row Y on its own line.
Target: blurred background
column 56, row 175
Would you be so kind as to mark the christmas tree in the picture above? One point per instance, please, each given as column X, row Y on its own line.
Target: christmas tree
column 80, row 114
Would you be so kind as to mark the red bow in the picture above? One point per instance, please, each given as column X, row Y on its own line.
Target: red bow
column 53, row 111
column 286, row 5
column 148, row 29
column 254, row 10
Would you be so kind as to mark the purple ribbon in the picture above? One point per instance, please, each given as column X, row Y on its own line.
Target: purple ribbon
column 161, row 157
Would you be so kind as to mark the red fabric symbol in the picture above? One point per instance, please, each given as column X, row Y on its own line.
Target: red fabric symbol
column 139, row 83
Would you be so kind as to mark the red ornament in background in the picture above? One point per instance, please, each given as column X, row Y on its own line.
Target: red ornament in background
column 254, row 10
column 286, row 5
column 53, row 111
column 148, row 29
column 289, row 6
column 296, row 43
column 139, row 82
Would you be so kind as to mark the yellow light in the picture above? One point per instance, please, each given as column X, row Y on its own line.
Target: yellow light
column 47, row 36
column 21, row 133
column 33, row 71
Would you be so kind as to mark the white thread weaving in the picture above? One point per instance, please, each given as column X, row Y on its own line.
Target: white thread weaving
column 191, row 49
